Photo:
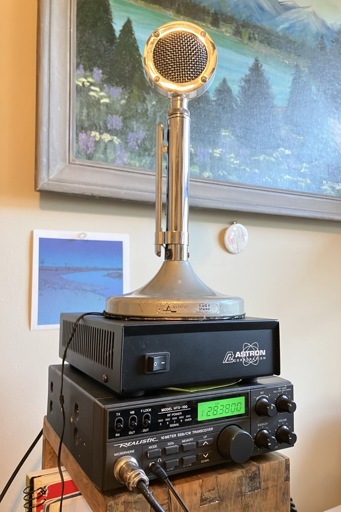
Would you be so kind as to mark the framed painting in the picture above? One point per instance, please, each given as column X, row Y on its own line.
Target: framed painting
column 265, row 138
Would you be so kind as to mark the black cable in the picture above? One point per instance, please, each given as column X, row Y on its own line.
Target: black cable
column 163, row 476
column 61, row 400
column 17, row 469
column 144, row 490
column 292, row 506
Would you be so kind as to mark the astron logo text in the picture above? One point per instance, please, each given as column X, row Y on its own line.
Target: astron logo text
column 250, row 354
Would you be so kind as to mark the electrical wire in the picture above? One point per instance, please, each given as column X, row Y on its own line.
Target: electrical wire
column 162, row 475
column 61, row 399
column 17, row 469
column 292, row 506
column 144, row 490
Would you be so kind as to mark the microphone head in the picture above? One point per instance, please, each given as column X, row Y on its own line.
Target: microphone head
column 180, row 58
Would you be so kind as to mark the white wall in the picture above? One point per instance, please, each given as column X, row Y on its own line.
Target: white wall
column 290, row 270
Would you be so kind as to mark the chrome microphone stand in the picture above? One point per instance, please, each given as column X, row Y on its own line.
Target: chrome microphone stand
column 180, row 62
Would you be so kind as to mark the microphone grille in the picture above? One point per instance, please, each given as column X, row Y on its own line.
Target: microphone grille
column 180, row 57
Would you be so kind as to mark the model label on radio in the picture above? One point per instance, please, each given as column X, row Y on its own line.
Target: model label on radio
column 137, row 442
column 250, row 354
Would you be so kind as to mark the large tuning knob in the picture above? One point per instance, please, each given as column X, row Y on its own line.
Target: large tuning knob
column 235, row 444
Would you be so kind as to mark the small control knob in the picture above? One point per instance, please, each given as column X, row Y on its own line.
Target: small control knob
column 132, row 421
column 146, row 419
column 265, row 408
column 265, row 440
column 235, row 444
column 119, row 424
column 284, row 435
column 285, row 404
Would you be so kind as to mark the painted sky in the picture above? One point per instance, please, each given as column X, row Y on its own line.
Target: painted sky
column 330, row 10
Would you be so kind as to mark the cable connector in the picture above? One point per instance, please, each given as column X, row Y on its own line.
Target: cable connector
column 128, row 472
column 158, row 471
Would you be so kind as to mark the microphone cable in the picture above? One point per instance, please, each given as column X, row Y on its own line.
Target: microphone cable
column 128, row 472
column 162, row 475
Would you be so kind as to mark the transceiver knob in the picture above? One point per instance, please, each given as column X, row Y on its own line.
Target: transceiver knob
column 265, row 440
column 284, row 404
column 284, row 435
column 264, row 408
column 235, row 444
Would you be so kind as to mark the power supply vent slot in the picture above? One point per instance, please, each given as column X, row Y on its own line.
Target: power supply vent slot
column 91, row 342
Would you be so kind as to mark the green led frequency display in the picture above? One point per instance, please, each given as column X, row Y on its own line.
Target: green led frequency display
column 223, row 408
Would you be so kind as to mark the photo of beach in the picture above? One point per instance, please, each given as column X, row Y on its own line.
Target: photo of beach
column 75, row 273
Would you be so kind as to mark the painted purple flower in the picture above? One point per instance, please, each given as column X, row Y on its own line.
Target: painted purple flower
column 120, row 157
column 80, row 71
column 97, row 75
column 135, row 139
column 86, row 143
column 114, row 92
column 114, row 122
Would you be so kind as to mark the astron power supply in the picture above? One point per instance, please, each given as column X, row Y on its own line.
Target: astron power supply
column 136, row 356
column 181, row 431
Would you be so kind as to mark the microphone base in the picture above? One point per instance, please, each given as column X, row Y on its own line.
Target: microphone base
column 175, row 293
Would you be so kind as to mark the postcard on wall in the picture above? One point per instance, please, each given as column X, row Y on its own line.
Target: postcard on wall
column 76, row 272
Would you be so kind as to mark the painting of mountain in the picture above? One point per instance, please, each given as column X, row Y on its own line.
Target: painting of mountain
column 302, row 24
column 285, row 17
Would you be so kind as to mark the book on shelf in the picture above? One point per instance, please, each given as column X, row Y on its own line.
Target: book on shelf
column 71, row 503
column 44, row 486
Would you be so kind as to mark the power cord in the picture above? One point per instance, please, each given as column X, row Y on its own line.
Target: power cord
column 61, row 399
column 162, row 475
column 292, row 506
column 17, row 469
column 128, row 472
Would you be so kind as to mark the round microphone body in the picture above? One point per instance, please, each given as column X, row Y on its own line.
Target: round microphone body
column 180, row 58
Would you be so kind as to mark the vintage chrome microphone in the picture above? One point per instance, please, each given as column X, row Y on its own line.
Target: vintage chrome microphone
column 180, row 62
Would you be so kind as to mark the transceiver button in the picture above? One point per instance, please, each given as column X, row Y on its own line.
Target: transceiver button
column 188, row 460
column 171, row 464
column 205, row 442
column 204, row 457
column 171, row 449
column 188, row 447
column 152, row 454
